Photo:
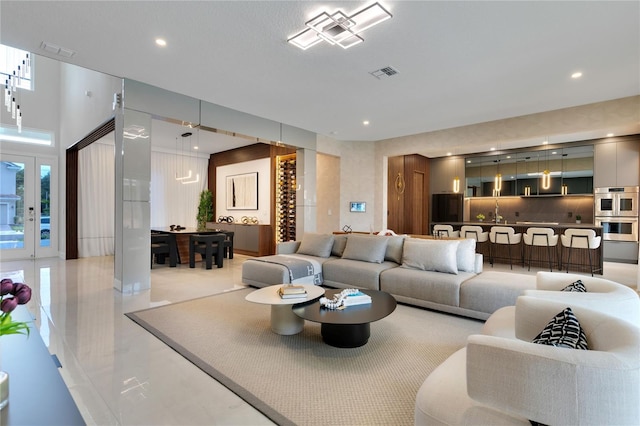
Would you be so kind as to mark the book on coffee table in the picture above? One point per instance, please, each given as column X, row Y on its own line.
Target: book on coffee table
column 357, row 299
column 292, row 292
column 292, row 289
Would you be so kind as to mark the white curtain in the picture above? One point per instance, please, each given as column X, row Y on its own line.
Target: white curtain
column 175, row 202
column 96, row 200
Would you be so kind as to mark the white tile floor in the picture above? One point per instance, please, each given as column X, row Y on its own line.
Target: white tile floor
column 120, row 374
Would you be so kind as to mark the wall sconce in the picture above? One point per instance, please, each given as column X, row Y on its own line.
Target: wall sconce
column 565, row 189
column 456, row 184
column 527, row 191
column 399, row 185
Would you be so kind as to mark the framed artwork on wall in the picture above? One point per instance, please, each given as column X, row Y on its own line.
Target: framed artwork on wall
column 242, row 191
column 358, row 207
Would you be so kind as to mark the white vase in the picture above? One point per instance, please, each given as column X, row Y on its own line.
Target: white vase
column 4, row 389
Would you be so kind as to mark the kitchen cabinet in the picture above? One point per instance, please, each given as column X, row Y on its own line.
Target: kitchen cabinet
column 617, row 164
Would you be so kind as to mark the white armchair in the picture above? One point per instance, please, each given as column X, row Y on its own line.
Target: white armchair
column 498, row 380
column 602, row 295
column 556, row 385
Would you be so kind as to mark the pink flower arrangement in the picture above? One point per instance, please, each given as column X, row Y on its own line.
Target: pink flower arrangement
column 11, row 295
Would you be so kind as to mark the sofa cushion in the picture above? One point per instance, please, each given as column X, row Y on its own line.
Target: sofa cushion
column 576, row 286
column 432, row 286
column 491, row 290
column 563, row 331
column 316, row 245
column 431, row 255
column 347, row 273
column 339, row 243
column 394, row 248
column 466, row 255
column 365, row 248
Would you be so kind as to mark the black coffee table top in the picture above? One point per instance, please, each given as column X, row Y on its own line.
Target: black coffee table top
column 382, row 304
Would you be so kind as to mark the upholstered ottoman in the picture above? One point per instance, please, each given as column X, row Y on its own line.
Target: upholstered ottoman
column 492, row 290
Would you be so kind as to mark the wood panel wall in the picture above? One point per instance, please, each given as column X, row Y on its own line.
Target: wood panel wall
column 408, row 207
column 249, row 153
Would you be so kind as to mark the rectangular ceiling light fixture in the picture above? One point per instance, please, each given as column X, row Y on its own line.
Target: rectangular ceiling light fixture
column 340, row 28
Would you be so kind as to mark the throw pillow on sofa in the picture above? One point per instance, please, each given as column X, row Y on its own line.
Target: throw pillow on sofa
column 365, row 248
column 563, row 331
column 394, row 248
column 318, row 245
column 339, row 243
column 431, row 255
column 466, row 255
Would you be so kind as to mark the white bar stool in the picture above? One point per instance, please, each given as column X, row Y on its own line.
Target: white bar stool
column 475, row 232
column 445, row 231
column 540, row 237
column 583, row 239
column 504, row 235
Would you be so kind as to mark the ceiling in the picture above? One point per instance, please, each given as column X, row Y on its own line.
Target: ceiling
column 458, row 63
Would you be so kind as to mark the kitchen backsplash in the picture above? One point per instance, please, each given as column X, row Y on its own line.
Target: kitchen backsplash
column 532, row 209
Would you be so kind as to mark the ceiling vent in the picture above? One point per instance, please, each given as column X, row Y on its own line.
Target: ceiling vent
column 57, row 50
column 384, row 72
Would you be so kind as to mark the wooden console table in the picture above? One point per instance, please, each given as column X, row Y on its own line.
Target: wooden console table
column 252, row 240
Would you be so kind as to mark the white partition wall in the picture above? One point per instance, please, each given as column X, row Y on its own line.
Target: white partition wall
column 132, row 190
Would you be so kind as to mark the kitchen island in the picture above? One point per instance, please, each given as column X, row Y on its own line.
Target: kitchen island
column 539, row 257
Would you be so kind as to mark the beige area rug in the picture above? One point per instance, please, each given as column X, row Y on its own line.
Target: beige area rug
column 299, row 379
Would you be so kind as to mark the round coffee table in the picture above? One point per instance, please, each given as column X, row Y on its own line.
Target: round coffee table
column 283, row 321
column 348, row 327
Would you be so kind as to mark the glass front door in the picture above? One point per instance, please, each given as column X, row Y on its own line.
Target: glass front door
column 27, row 207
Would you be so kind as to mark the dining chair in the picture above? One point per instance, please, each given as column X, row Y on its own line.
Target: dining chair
column 207, row 245
column 161, row 247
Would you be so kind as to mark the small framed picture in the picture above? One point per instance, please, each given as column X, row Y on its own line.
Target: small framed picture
column 358, row 207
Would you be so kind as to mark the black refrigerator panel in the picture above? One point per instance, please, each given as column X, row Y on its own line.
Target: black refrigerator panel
column 446, row 208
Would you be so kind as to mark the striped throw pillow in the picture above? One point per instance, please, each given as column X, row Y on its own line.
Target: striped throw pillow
column 563, row 331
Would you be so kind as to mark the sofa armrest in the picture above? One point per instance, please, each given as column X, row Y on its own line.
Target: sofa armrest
column 478, row 265
column 287, row 247
column 550, row 385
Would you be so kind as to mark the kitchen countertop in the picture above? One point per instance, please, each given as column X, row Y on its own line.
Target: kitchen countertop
column 527, row 224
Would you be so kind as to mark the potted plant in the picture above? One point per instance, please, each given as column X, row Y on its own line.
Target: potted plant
column 480, row 217
column 578, row 218
column 205, row 209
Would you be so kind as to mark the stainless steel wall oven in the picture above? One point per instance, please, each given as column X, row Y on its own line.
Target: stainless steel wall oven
column 616, row 201
column 618, row 228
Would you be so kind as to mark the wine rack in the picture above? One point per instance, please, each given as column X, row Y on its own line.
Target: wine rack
column 286, row 198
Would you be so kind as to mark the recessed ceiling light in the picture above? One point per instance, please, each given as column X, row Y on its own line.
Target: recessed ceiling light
column 449, row 154
column 610, row 134
column 576, row 74
column 365, row 122
column 554, row 152
column 508, row 156
column 493, row 148
column 545, row 142
column 161, row 42
column 468, row 161
column 195, row 147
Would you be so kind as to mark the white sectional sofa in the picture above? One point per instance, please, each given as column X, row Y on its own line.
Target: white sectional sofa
column 440, row 274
